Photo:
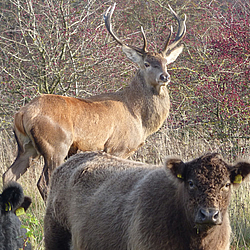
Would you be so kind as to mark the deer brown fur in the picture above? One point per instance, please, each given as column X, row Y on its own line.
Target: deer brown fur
column 98, row 202
column 118, row 123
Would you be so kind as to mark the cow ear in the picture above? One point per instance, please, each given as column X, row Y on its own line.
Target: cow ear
column 24, row 206
column 26, row 203
column 239, row 172
column 12, row 197
column 176, row 167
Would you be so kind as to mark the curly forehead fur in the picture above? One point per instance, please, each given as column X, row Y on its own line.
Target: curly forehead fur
column 207, row 169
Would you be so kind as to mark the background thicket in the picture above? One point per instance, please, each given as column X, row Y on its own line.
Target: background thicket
column 62, row 47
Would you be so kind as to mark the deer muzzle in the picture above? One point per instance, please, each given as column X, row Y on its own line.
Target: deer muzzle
column 164, row 78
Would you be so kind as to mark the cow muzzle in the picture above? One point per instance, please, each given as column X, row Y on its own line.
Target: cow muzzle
column 208, row 216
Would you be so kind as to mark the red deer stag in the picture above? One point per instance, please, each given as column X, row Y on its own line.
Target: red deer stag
column 118, row 123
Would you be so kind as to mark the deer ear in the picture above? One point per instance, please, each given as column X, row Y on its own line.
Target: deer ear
column 172, row 56
column 132, row 55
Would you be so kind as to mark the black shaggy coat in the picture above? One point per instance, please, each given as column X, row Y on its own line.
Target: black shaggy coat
column 12, row 236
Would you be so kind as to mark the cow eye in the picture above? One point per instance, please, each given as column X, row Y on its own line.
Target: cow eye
column 191, row 184
column 146, row 64
column 226, row 186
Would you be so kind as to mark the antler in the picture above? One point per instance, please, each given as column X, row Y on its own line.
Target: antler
column 107, row 19
column 180, row 34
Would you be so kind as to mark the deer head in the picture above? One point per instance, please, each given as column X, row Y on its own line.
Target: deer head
column 153, row 65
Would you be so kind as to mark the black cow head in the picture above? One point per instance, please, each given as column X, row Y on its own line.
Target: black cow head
column 11, row 197
column 206, row 187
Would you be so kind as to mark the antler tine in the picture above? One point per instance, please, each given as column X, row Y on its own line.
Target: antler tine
column 107, row 19
column 144, row 49
column 181, row 31
column 168, row 40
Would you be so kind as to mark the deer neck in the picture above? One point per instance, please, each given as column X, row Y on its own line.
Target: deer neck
column 148, row 103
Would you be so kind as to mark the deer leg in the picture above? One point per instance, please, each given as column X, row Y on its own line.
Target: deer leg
column 43, row 182
column 21, row 163
column 54, row 149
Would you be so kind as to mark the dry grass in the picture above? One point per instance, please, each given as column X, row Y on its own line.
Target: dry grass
column 240, row 217
column 34, row 217
column 185, row 142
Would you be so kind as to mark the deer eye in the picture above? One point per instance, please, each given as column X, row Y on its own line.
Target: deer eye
column 146, row 64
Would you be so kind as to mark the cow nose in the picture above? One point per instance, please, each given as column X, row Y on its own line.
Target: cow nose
column 164, row 77
column 208, row 216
